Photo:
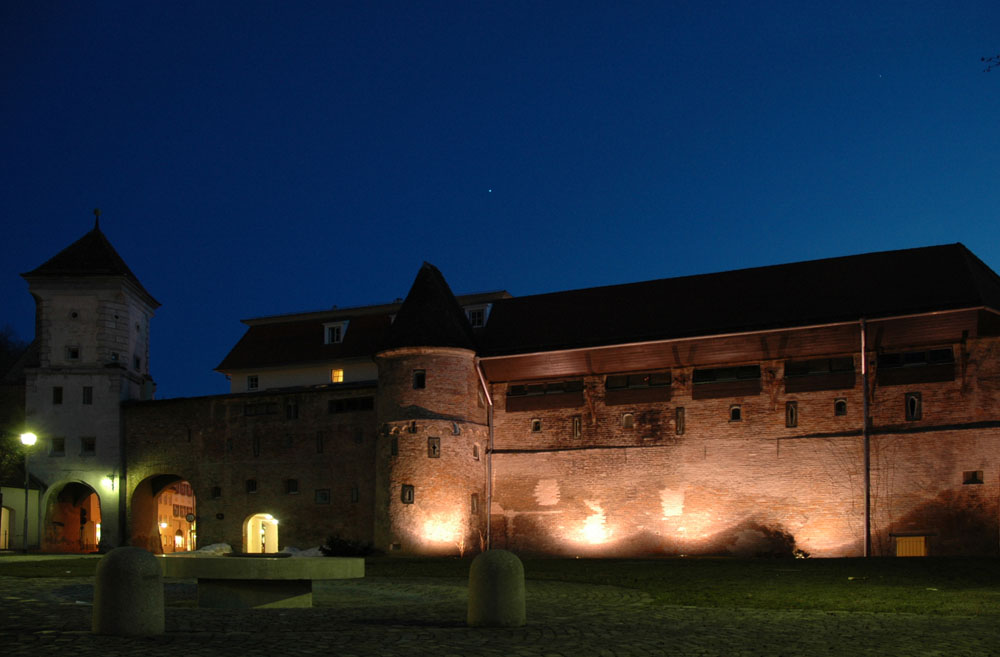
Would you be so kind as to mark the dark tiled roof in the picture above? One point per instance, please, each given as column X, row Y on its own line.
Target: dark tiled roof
column 806, row 293
column 91, row 255
column 430, row 316
column 291, row 342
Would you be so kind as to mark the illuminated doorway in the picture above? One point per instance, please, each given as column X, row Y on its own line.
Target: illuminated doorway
column 164, row 515
column 4, row 528
column 260, row 534
column 72, row 519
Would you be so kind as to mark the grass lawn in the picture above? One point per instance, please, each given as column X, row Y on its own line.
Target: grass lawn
column 928, row 586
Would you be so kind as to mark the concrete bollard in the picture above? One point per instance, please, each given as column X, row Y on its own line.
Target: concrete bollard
column 496, row 590
column 128, row 594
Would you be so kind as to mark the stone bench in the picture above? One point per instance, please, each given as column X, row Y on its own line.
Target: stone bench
column 246, row 582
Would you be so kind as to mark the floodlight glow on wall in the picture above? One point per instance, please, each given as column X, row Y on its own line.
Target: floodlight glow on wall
column 28, row 439
column 108, row 481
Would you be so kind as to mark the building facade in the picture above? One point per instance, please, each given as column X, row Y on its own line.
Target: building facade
column 838, row 407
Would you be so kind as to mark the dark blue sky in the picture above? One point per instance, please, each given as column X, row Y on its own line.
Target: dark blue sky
column 255, row 158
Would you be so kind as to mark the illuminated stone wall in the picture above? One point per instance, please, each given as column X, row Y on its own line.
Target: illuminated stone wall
column 432, row 443
column 752, row 486
column 219, row 443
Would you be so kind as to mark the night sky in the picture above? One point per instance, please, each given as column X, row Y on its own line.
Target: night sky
column 257, row 158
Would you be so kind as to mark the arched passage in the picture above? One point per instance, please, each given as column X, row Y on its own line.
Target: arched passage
column 72, row 519
column 260, row 533
column 163, row 515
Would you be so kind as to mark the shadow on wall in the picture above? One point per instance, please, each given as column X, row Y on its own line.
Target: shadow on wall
column 960, row 523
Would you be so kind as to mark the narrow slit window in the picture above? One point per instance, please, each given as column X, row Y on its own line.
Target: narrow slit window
column 406, row 494
column 913, row 405
column 577, row 426
column 679, row 420
column 433, row 448
column 791, row 414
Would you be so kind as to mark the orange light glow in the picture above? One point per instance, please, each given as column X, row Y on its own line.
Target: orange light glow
column 594, row 529
column 442, row 528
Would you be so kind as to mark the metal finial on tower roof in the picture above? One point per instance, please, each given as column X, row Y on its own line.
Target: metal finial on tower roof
column 97, row 218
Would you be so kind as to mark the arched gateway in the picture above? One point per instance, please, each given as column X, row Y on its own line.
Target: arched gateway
column 163, row 515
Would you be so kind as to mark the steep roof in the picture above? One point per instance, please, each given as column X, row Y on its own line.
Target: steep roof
column 847, row 288
column 430, row 316
column 91, row 255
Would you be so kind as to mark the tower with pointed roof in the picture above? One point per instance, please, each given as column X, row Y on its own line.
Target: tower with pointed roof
column 431, row 458
column 92, row 322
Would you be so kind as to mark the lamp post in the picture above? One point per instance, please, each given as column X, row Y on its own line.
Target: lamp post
column 27, row 439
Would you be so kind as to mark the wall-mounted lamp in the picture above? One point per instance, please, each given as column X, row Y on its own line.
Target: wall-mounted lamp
column 108, row 481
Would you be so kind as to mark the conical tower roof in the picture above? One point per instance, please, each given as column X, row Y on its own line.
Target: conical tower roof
column 91, row 255
column 430, row 316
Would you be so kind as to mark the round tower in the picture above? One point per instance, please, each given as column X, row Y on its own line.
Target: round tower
column 431, row 456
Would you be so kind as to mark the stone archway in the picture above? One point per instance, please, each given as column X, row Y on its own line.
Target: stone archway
column 260, row 534
column 163, row 515
column 72, row 519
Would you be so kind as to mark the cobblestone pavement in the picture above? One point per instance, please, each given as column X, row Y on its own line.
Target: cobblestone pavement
column 426, row 616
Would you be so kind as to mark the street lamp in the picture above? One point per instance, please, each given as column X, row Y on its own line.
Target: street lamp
column 27, row 439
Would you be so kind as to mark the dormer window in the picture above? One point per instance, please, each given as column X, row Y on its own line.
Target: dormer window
column 478, row 314
column 334, row 333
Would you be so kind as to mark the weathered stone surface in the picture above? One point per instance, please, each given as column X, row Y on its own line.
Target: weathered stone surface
column 128, row 594
column 496, row 590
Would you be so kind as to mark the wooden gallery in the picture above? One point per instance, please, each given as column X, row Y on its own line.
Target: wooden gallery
column 837, row 407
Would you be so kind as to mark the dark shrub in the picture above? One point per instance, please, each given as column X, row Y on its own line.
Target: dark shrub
column 336, row 546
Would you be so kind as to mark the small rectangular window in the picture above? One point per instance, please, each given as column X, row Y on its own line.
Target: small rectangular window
column 88, row 395
column 679, row 421
column 291, row 486
column 72, row 353
column 791, row 414
column 321, row 496
column 336, row 375
column 252, row 382
column 475, row 452
column 88, row 446
column 913, row 404
column 334, row 333
column 57, row 447
column 972, row 477
column 840, row 407
column 251, row 485
column 406, row 494
column 57, row 394
column 216, row 492
column 536, row 425
column 735, row 413
column 433, row 448
column 355, row 494
column 419, row 379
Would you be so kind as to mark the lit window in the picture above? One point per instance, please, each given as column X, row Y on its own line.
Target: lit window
column 334, row 333
column 252, row 382
column 336, row 376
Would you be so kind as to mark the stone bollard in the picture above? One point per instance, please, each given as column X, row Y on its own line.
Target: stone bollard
column 128, row 594
column 496, row 590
